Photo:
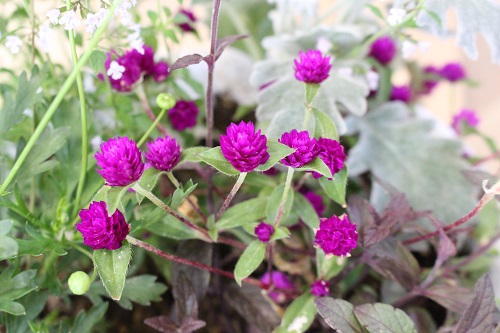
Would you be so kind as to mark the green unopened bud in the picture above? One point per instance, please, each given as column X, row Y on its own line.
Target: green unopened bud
column 165, row 101
column 79, row 283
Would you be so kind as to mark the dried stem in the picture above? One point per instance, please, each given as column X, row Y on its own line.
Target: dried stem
column 188, row 262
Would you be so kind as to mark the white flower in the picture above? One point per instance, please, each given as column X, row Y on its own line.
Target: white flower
column 53, row 15
column 13, row 43
column 345, row 72
column 115, row 70
column 91, row 23
column 396, row 16
column 407, row 49
column 135, row 39
column 69, row 20
column 372, row 77
column 101, row 15
column 122, row 10
column 44, row 37
column 323, row 44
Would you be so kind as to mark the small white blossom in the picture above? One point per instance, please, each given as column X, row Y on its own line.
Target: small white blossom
column 323, row 45
column 101, row 15
column 407, row 49
column 135, row 39
column 53, row 15
column 373, row 78
column 115, row 70
column 69, row 20
column 91, row 23
column 122, row 10
column 44, row 37
column 95, row 142
column 13, row 43
column 396, row 16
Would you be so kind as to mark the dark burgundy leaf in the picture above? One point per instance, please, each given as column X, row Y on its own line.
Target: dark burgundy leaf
column 224, row 42
column 393, row 260
column 339, row 315
column 190, row 325
column 363, row 215
column 185, row 61
column 453, row 298
column 446, row 248
column 422, row 319
column 251, row 305
column 479, row 316
column 162, row 324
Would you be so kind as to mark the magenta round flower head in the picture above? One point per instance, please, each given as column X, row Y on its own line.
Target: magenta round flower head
column 183, row 115
column 101, row 231
column 312, row 67
column 431, row 77
column 453, row 72
column 401, row 93
column 316, row 201
column 320, row 288
column 123, row 72
column 336, row 236
column 464, row 117
column 160, row 71
column 332, row 153
column 188, row 25
column 383, row 50
column 264, row 231
column 164, row 153
column 244, row 148
column 120, row 161
column 282, row 284
column 305, row 148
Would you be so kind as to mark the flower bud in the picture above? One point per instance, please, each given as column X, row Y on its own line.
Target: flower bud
column 79, row 283
column 165, row 101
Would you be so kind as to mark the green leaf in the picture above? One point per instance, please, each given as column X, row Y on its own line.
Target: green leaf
column 339, row 315
column 8, row 246
column 277, row 151
column 335, row 188
column 400, row 150
column 148, row 180
column 249, row 260
column 311, row 91
column 242, row 213
column 375, row 10
column 325, row 127
column 273, row 204
column 191, row 154
column 112, row 267
column 171, row 227
column 14, row 308
column 383, row 318
column 479, row 16
column 303, row 208
column 318, row 166
column 215, row 158
column 112, row 195
column 280, row 233
column 97, row 60
column 17, row 286
column 330, row 266
column 85, row 322
column 181, row 194
column 299, row 315
column 26, row 96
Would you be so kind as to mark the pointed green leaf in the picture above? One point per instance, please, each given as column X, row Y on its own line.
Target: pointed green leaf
column 277, row 151
column 318, row 166
column 249, row 260
column 299, row 315
column 182, row 193
column 311, row 91
column 330, row 266
column 97, row 60
column 273, row 204
column 242, row 213
column 215, row 158
column 171, row 227
column 335, row 188
column 112, row 195
column 191, row 154
column 14, row 308
column 8, row 246
column 383, row 318
column 280, row 233
column 112, row 267
column 148, row 181
column 325, row 126
column 303, row 208
column 375, row 10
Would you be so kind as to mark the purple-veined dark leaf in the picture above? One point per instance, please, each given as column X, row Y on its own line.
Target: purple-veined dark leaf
column 185, row 61
column 224, row 42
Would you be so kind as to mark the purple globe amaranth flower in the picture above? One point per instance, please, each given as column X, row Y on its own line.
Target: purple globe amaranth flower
column 316, row 201
column 305, row 148
column 312, row 67
column 188, row 25
column 164, row 153
column 383, row 50
column 332, row 153
column 101, row 231
column 120, row 161
column 244, row 148
column 264, row 231
column 401, row 93
column 465, row 117
column 183, row 115
column 282, row 285
column 453, row 72
column 320, row 288
column 431, row 76
column 336, row 236
column 160, row 71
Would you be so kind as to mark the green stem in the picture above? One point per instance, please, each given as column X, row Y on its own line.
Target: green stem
column 59, row 97
column 154, row 199
column 231, row 195
column 143, row 97
column 176, row 183
column 151, row 128
column 288, row 183
column 83, row 115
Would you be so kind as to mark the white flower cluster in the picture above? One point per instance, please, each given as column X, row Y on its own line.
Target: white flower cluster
column 396, row 16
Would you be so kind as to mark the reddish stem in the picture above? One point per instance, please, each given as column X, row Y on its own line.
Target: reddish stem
column 191, row 263
column 487, row 158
